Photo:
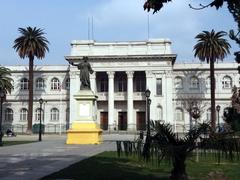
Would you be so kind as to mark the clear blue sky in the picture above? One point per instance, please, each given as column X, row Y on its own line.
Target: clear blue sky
column 114, row 20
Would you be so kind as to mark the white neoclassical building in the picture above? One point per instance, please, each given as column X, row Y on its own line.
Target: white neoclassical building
column 122, row 73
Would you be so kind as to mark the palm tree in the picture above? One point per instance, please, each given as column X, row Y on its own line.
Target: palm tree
column 211, row 47
column 5, row 80
column 31, row 44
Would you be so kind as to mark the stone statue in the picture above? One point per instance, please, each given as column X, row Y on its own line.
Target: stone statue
column 85, row 69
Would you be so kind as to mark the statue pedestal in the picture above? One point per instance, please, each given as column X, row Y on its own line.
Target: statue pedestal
column 85, row 129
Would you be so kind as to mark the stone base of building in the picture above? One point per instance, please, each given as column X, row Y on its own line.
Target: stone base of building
column 84, row 133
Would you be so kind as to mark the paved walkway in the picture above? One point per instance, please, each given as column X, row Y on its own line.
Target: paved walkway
column 35, row 160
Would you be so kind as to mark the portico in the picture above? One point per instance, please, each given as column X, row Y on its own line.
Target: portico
column 123, row 71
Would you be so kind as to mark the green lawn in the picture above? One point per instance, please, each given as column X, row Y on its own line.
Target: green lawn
column 108, row 166
column 10, row 143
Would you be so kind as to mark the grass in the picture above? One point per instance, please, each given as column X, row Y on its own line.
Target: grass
column 108, row 166
column 11, row 143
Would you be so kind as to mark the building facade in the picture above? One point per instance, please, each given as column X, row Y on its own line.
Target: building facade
column 122, row 73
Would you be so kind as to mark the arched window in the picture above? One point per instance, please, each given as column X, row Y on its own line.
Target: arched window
column 55, row 84
column 40, row 84
column 179, row 114
column 194, row 82
column 54, row 114
column 37, row 115
column 178, row 83
column 9, row 115
column 227, row 82
column 159, row 112
column 24, row 84
column 23, row 114
column 67, row 83
column 208, row 83
column 208, row 115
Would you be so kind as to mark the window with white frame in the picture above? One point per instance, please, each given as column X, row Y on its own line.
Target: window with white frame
column 208, row 83
column 67, row 83
column 159, row 112
column 24, row 84
column 194, row 82
column 23, row 114
column 179, row 114
column 178, row 82
column 37, row 114
column 227, row 82
column 208, row 115
column 40, row 84
column 9, row 115
column 55, row 84
column 54, row 114
column 159, row 86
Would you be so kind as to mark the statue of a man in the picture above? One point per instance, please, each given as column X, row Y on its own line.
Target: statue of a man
column 85, row 69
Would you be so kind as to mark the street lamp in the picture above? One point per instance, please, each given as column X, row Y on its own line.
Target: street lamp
column 218, row 109
column 40, row 116
column 148, row 102
column 2, row 96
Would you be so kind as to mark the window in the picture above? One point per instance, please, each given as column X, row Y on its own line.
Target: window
column 55, row 84
column 122, row 84
column 208, row 83
column 227, row 82
column 140, row 85
column 39, row 84
column 179, row 114
column 159, row 112
column 37, row 114
column 194, row 83
column 24, row 84
column 9, row 115
column 23, row 114
column 208, row 115
column 178, row 82
column 103, row 86
column 54, row 114
column 159, row 86
column 67, row 83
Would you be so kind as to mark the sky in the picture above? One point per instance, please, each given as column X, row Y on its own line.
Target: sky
column 113, row 20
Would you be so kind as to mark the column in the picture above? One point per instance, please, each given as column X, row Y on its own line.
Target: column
column 169, row 97
column 74, row 88
column 151, row 85
column 131, row 122
column 93, row 82
column 111, row 99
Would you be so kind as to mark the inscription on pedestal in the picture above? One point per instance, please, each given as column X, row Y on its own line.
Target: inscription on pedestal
column 84, row 110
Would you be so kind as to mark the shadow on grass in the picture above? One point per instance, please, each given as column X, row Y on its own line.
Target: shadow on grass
column 107, row 166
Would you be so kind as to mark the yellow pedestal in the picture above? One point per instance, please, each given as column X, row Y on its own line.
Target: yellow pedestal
column 84, row 133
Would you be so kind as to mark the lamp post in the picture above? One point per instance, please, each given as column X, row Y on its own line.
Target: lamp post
column 2, row 96
column 40, row 116
column 148, row 102
column 218, row 109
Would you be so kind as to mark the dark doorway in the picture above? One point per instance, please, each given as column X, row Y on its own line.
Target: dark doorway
column 122, row 121
column 141, row 121
column 104, row 120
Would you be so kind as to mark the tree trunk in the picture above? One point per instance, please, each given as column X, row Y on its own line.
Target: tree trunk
column 30, row 95
column 179, row 169
column 213, row 112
